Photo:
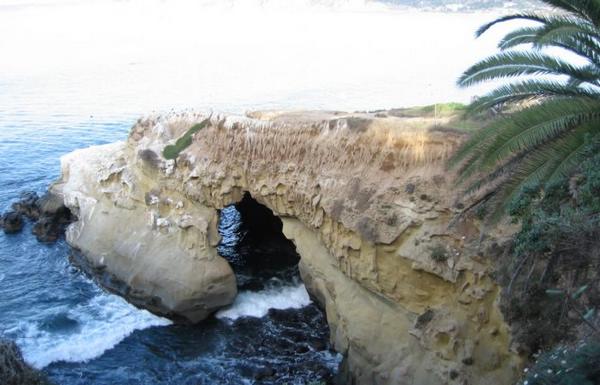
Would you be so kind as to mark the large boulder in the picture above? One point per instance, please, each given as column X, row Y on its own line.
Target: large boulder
column 141, row 239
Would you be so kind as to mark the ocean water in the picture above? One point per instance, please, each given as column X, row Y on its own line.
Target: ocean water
column 76, row 73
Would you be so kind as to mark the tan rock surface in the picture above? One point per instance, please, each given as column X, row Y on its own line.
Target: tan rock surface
column 157, row 255
column 366, row 200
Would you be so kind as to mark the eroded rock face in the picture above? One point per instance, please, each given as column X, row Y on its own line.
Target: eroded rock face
column 138, row 236
column 367, row 202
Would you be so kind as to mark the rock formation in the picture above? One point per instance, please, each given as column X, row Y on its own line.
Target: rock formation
column 365, row 198
column 14, row 370
column 49, row 213
column 11, row 222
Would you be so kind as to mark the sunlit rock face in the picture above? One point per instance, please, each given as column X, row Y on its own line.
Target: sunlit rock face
column 366, row 200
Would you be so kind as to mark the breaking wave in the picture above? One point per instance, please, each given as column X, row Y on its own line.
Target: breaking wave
column 83, row 332
column 257, row 304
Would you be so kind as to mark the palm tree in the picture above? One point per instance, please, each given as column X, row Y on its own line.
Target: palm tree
column 555, row 102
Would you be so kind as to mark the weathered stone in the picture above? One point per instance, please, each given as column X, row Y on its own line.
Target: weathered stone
column 53, row 218
column 397, row 316
column 46, row 230
column 11, row 222
column 27, row 205
column 173, row 271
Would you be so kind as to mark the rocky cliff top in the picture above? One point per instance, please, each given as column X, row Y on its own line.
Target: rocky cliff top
column 365, row 197
column 374, row 172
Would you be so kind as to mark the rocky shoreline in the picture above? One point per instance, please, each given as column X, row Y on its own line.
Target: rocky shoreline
column 364, row 197
column 48, row 213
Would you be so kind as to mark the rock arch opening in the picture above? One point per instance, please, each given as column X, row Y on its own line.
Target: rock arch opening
column 272, row 312
column 253, row 243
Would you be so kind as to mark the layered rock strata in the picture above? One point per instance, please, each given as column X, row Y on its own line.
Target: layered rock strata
column 365, row 198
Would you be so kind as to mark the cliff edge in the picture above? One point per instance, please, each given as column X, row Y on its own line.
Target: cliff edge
column 364, row 196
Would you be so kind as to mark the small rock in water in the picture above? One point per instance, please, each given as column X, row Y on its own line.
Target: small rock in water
column 49, row 211
column 318, row 345
column 13, row 369
column 11, row 222
column 263, row 373
column 28, row 205
column 54, row 216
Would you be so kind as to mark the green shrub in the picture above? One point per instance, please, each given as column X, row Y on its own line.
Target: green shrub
column 566, row 366
column 172, row 150
column 557, row 249
column 439, row 253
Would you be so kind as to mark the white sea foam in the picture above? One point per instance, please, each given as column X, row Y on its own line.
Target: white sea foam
column 102, row 323
column 257, row 304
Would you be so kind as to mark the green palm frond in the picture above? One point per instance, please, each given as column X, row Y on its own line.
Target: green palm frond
column 588, row 10
column 545, row 165
column 526, row 35
column 512, row 64
column 588, row 137
column 555, row 103
column 537, row 124
column 518, row 16
column 519, row 91
column 581, row 39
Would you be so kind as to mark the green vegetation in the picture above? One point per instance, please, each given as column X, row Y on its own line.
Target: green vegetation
column 538, row 160
column 440, row 109
column 552, row 281
column 549, row 108
column 566, row 366
column 454, row 115
column 172, row 150
column 439, row 253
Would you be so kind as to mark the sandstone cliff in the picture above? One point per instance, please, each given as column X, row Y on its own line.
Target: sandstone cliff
column 366, row 200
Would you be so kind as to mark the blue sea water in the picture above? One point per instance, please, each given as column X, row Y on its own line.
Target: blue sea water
column 79, row 334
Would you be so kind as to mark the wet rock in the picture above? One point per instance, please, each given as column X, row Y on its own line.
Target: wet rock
column 49, row 211
column 28, row 205
column 53, row 219
column 52, row 204
column 264, row 372
column 46, row 231
column 283, row 315
column 11, row 222
column 318, row 345
column 13, row 369
column 324, row 374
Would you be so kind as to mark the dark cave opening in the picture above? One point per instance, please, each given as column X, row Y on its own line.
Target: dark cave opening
column 280, row 336
column 254, row 244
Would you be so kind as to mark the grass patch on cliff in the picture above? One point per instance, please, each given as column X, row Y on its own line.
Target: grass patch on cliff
column 450, row 115
column 172, row 150
column 430, row 111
